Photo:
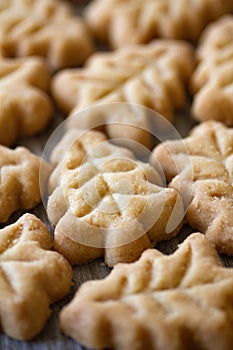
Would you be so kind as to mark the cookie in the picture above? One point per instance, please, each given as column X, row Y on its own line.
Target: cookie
column 212, row 81
column 105, row 203
column 180, row 301
column 47, row 28
column 152, row 75
column 202, row 165
column 31, row 277
column 139, row 21
column 25, row 105
column 23, row 180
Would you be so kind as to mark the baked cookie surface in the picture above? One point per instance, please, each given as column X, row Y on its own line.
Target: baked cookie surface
column 31, row 277
column 104, row 202
column 26, row 108
column 153, row 76
column 124, row 22
column 212, row 80
column 201, row 166
column 180, row 301
column 45, row 28
column 23, row 179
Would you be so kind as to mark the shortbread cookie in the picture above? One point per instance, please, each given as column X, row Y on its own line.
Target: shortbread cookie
column 153, row 76
column 123, row 22
column 105, row 203
column 47, row 28
column 31, row 277
column 212, row 81
column 203, row 165
column 181, row 301
column 25, row 106
column 23, row 179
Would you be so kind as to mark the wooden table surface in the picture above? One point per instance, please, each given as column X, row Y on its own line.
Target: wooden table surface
column 51, row 338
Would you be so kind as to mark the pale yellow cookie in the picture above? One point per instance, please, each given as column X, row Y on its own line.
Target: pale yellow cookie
column 212, row 81
column 153, row 75
column 124, row 22
column 47, row 28
column 31, row 277
column 105, row 203
column 25, row 107
column 201, row 166
column 182, row 301
column 23, row 180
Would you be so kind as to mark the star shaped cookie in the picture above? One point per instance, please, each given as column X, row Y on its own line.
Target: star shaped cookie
column 105, row 203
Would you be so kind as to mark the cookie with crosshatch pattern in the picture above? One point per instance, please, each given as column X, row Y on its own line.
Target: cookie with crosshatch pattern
column 47, row 28
column 124, row 22
column 201, row 165
column 105, row 203
column 31, row 277
column 178, row 301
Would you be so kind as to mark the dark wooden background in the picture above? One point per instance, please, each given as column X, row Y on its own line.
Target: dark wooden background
column 51, row 338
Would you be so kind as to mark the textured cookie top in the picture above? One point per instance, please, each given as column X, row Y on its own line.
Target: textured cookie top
column 153, row 76
column 25, row 106
column 31, row 277
column 203, row 165
column 103, row 197
column 23, row 178
column 123, row 22
column 46, row 28
column 180, row 301
column 212, row 81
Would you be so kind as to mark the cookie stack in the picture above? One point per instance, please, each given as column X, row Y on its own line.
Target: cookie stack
column 121, row 186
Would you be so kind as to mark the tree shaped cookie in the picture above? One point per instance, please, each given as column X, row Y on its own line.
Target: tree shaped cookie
column 25, row 106
column 23, row 179
column 31, row 277
column 181, row 301
column 123, row 22
column 106, row 203
column 212, row 81
column 153, row 76
column 45, row 28
column 202, row 164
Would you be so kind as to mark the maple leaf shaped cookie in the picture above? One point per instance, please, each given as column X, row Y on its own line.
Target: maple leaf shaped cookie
column 31, row 277
column 25, row 106
column 212, row 81
column 23, row 179
column 202, row 164
column 47, row 28
column 152, row 75
column 180, row 301
column 106, row 203
column 124, row 22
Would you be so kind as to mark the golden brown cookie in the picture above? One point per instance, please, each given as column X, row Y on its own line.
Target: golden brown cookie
column 151, row 75
column 124, row 22
column 25, row 105
column 181, row 301
column 31, row 277
column 202, row 165
column 47, row 28
column 212, row 81
column 23, row 179
column 105, row 203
